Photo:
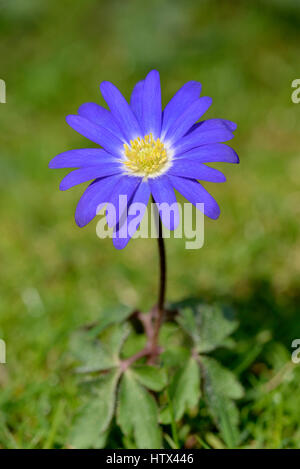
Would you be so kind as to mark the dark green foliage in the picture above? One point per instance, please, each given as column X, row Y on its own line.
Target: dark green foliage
column 150, row 396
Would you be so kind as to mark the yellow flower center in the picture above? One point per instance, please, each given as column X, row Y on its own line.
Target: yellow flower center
column 145, row 156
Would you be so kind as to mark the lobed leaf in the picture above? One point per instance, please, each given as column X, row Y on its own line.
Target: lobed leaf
column 184, row 389
column 112, row 316
column 220, row 388
column 99, row 354
column 151, row 377
column 222, row 380
column 208, row 326
column 88, row 430
column 137, row 413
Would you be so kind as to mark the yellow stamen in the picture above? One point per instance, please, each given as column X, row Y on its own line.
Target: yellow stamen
column 145, row 156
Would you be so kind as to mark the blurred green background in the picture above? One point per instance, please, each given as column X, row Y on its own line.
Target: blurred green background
column 55, row 276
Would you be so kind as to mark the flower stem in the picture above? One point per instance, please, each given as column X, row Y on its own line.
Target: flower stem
column 153, row 320
column 162, row 284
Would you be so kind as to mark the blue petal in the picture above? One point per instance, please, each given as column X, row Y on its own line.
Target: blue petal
column 152, row 104
column 211, row 153
column 126, row 188
column 98, row 193
column 100, row 116
column 184, row 122
column 81, row 158
column 136, row 100
column 141, row 196
column 184, row 97
column 81, row 175
column 195, row 193
column 96, row 133
column 214, row 124
column 231, row 125
column 163, row 193
column 195, row 170
column 121, row 110
column 202, row 135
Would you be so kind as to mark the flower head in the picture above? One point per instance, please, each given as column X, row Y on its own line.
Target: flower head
column 146, row 151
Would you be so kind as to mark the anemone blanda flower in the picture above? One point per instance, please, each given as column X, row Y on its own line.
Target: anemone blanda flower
column 146, row 150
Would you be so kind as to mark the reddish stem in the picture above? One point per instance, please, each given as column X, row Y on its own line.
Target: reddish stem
column 153, row 320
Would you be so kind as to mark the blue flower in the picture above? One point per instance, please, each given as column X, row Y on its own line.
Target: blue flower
column 146, row 150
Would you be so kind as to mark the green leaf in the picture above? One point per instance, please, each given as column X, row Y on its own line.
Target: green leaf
column 221, row 379
column 133, row 344
column 137, row 413
column 114, row 337
column 220, row 388
column 174, row 356
column 90, row 353
column 88, row 430
column 151, row 377
column 171, row 335
column 99, row 354
column 208, row 326
column 185, row 388
column 112, row 316
column 165, row 415
column 226, row 417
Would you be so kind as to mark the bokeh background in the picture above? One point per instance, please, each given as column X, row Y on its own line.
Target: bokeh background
column 55, row 276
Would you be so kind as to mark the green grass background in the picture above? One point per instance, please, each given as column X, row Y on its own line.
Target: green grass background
column 55, row 276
